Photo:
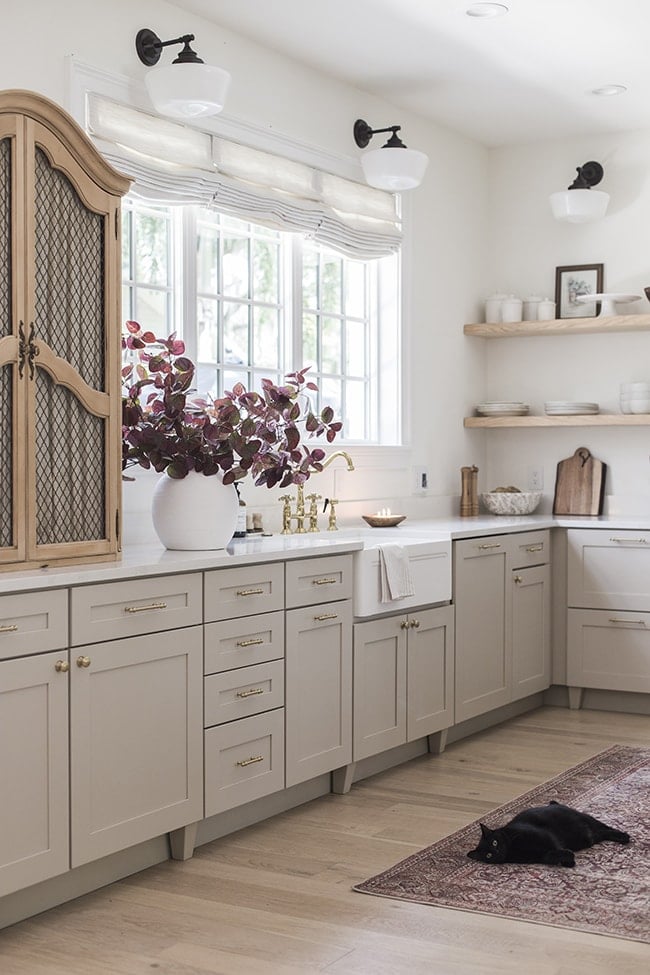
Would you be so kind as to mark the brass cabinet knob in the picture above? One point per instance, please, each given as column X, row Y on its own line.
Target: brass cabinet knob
column 518, row 579
column 83, row 661
column 415, row 624
column 62, row 666
column 404, row 625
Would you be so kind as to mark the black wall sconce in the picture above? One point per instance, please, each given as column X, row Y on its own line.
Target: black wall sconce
column 387, row 168
column 579, row 203
column 191, row 90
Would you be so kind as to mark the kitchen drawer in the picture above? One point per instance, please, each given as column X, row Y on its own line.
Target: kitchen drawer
column 121, row 609
column 240, row 693
column 32, row 622
column 241, row 643
column 244, row 760
column 244, row 591
column 319, row 580
column 529, row 548
column 609, row 569
column 610, row 650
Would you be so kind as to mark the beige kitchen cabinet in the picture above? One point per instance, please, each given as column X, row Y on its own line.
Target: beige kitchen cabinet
column 34, row 819
column 403, row 679
column 136, row 740
column 318, row 700
column 530, row 628
column 502, row 620
column 608, row 620
column 60, row 442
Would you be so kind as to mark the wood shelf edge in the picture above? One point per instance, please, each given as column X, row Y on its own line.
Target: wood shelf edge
column 593, row 420
column 559, row 326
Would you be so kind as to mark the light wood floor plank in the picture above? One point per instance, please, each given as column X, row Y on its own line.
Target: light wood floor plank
column 276, row 898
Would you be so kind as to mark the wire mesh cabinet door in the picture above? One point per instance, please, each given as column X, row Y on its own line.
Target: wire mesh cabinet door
column 12, row 407
column 66, row 321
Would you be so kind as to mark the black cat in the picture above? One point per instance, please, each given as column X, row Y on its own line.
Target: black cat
column 544, row 834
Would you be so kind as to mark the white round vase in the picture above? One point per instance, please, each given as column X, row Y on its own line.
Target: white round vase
column 194, row 513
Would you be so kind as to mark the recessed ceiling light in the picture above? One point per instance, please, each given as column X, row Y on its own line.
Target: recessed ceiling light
column 487, row 10
column 609, row 90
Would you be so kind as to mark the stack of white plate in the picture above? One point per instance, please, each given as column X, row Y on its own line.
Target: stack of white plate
column 561, row 407
column 502, row 409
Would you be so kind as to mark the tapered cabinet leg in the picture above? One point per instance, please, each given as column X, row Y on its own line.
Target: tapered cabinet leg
column 342, row 779
column 181, row 842
column 437, row 742
column 575, row 698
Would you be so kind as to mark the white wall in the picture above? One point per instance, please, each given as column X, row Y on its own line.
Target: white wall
column 526, row 245
column 444, row 372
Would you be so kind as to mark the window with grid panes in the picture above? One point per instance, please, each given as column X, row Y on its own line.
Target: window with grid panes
column 252, row 303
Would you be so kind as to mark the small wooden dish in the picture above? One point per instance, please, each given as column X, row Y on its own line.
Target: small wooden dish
column 383, row 521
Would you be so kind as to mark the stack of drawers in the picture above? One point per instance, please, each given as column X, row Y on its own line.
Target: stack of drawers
column 244, row 685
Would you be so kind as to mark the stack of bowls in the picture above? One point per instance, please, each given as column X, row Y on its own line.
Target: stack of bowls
column 635, row 397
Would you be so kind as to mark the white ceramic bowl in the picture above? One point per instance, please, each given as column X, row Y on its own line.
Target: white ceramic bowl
column 636, row 405
column 631, row 388
column 511, row 503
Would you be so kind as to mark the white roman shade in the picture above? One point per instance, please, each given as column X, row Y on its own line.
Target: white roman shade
column 173, row 163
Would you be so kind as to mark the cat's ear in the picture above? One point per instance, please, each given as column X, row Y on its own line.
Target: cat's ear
column 487, row 833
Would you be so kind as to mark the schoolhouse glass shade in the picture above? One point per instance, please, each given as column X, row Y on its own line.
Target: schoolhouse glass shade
column 187, row 91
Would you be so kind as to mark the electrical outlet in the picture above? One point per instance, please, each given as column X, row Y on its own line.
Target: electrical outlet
column 420, row 479
column 535, row 478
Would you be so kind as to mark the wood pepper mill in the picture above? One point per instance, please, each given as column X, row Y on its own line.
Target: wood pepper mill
column 469, row 492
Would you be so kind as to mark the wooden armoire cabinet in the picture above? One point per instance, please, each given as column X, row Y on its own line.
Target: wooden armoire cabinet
column 60, row 397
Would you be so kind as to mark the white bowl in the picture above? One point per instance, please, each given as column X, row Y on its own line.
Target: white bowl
column 511, row 503
column 627, row 388
column 635, row 405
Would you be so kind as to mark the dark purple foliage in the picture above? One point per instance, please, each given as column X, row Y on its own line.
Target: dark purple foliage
column 244, row 433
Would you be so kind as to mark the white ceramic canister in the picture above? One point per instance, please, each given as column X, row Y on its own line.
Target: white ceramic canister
column 511, row 309
column 493, row 307
column 546, row 310
column 530, row 308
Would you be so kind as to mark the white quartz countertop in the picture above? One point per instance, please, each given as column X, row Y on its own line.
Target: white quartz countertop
column 152, row 560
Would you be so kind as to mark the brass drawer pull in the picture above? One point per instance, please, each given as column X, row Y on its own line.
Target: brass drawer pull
column 249, row 643
column 62, row 666
column 144, row 609
column 637, row 541
column 490, row 545
column 617, row 619
column 251, row 692
column 250, row 592
column 250, row 761
column 83, row 661
column 326, row 616
column 534, row 548
column 324, row 582
column 10, row 628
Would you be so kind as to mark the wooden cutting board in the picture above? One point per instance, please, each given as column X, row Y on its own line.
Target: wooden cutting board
column 579, row 485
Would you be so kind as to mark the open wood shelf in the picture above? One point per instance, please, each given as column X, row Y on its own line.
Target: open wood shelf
column 560, row 326
column 591, row 420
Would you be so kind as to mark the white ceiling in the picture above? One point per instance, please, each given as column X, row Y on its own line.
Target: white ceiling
column 524, row 76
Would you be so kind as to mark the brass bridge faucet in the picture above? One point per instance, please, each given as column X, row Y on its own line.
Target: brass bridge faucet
column 299, row 514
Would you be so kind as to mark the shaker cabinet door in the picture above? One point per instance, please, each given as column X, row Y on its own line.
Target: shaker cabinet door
column 34, row 823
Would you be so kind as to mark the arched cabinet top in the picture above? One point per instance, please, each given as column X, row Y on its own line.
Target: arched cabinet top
column 55, row 118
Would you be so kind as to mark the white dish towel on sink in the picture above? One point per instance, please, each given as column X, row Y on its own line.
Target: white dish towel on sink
column 395, row 580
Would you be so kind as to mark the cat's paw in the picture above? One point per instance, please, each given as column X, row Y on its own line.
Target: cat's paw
column 560, row 858
column 623, row 838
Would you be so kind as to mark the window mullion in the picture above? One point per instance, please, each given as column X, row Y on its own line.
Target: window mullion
column 295, row 338
column 185, row 280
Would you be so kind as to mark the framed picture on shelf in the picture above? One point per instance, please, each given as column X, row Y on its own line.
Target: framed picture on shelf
column 575, row 282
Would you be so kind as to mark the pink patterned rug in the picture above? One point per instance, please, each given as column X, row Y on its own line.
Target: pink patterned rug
column 607, row 892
